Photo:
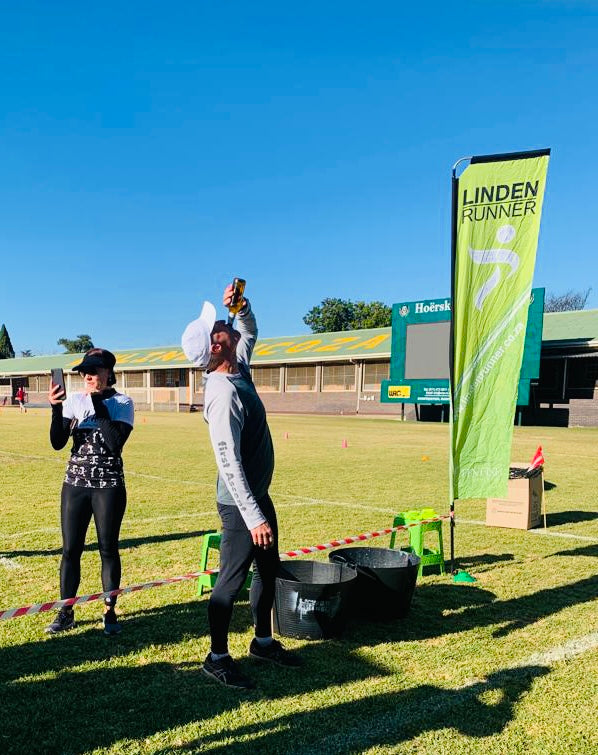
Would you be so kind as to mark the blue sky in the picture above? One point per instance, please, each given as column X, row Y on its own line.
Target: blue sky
column 150, row 152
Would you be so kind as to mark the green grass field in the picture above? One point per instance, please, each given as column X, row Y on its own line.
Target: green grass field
column 506, row 665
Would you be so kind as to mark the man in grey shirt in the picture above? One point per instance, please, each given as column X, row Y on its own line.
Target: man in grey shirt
column 245, row 457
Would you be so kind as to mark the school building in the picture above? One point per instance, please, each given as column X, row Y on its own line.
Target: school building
column 332, row 373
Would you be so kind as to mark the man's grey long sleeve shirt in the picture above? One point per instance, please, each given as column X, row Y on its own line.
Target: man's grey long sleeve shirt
column 239, row 431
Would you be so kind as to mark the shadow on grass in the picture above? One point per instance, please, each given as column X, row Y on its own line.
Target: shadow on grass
column 484, row 559
column 582, row 550
column 123, row 695
column 570, row 517
column 481, row 709
column 126, row 543
column 75, row 711
column 443, row 609
column 434, row 614
column 159, row 626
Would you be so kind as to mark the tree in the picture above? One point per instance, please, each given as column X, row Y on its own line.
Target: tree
column 26, row 353
column 374, row 314
column 76, row 345
column 566, row 302
column 6, row 349
column 333, row 315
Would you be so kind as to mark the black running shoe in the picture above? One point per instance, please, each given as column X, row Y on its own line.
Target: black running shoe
column 65, row 619
column 111, row 625
column 226, row 672
column 275, row 653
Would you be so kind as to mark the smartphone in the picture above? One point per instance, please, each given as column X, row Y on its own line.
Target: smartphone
column 58, row 379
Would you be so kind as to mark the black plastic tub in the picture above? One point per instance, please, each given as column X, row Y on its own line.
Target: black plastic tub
column 385, row 581
column 312, row 599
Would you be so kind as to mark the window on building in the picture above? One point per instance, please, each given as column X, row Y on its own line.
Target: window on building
column 134, row 379
column 43, row 384
column 338, row 377
column 266, row 378
column 159, row 378
column 198, row 380
column 77, row 382
column 582, row 373
column 169, row 378
column 373, row 375
column 301, row 378
column 551, row 375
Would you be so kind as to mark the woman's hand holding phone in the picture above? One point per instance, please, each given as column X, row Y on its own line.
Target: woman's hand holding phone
column 56, row 394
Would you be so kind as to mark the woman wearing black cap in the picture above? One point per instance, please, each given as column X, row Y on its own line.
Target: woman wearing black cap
column 100, row 420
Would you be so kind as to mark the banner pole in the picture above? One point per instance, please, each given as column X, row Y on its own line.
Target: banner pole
column 454, row 219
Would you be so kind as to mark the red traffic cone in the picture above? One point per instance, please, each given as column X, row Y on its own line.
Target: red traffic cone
column 344, row 443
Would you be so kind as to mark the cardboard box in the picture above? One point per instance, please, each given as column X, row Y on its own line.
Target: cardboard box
column 522, row 509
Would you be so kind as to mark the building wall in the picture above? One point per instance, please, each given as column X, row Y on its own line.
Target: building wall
column 567, row 395
column 583, row 412
column 314, row 402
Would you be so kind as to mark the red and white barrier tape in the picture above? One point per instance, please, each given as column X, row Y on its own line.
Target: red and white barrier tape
column 14, row 613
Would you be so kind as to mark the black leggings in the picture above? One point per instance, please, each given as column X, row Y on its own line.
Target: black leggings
column 76, row 507
column 237, row 552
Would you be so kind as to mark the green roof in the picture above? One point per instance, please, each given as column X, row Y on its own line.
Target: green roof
column 578, row 326
column 362, row 344
column 559, row 327
column 325, row 347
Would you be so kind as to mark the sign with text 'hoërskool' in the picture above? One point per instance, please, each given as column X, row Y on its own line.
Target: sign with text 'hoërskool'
column 496, row 226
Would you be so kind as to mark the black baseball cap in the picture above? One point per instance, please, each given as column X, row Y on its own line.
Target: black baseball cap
column 94, row 360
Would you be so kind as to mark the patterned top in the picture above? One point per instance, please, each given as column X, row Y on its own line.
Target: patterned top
column 92, row 465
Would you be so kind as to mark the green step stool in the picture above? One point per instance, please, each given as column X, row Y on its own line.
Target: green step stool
column 430, row 556
column 211, row 541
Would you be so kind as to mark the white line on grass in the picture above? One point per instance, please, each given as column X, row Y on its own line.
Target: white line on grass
column 537, row 531
column 570, row 535
column 322, row 501
column 195, row 483
column 130, row 523
column 565, row 651
column 8, row 563
column 198, row 483
column 39, row 530
column 412, row 712
column 210, row 485
column 192, row 515
column 30, row 456
column 129, row 473
column 304, row 500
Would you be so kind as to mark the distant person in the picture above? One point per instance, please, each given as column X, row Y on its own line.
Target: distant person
column 21, row 397
column 245, row 457
column 99, row 420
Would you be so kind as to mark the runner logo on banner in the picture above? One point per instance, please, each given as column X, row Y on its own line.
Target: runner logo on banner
column 496, row 218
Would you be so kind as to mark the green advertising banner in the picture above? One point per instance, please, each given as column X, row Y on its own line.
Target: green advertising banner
column 497, row 205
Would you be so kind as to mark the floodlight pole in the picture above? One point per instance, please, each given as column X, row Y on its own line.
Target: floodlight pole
column 454, row 219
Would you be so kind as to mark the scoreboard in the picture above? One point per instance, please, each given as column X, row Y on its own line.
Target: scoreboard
column 419, row 361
